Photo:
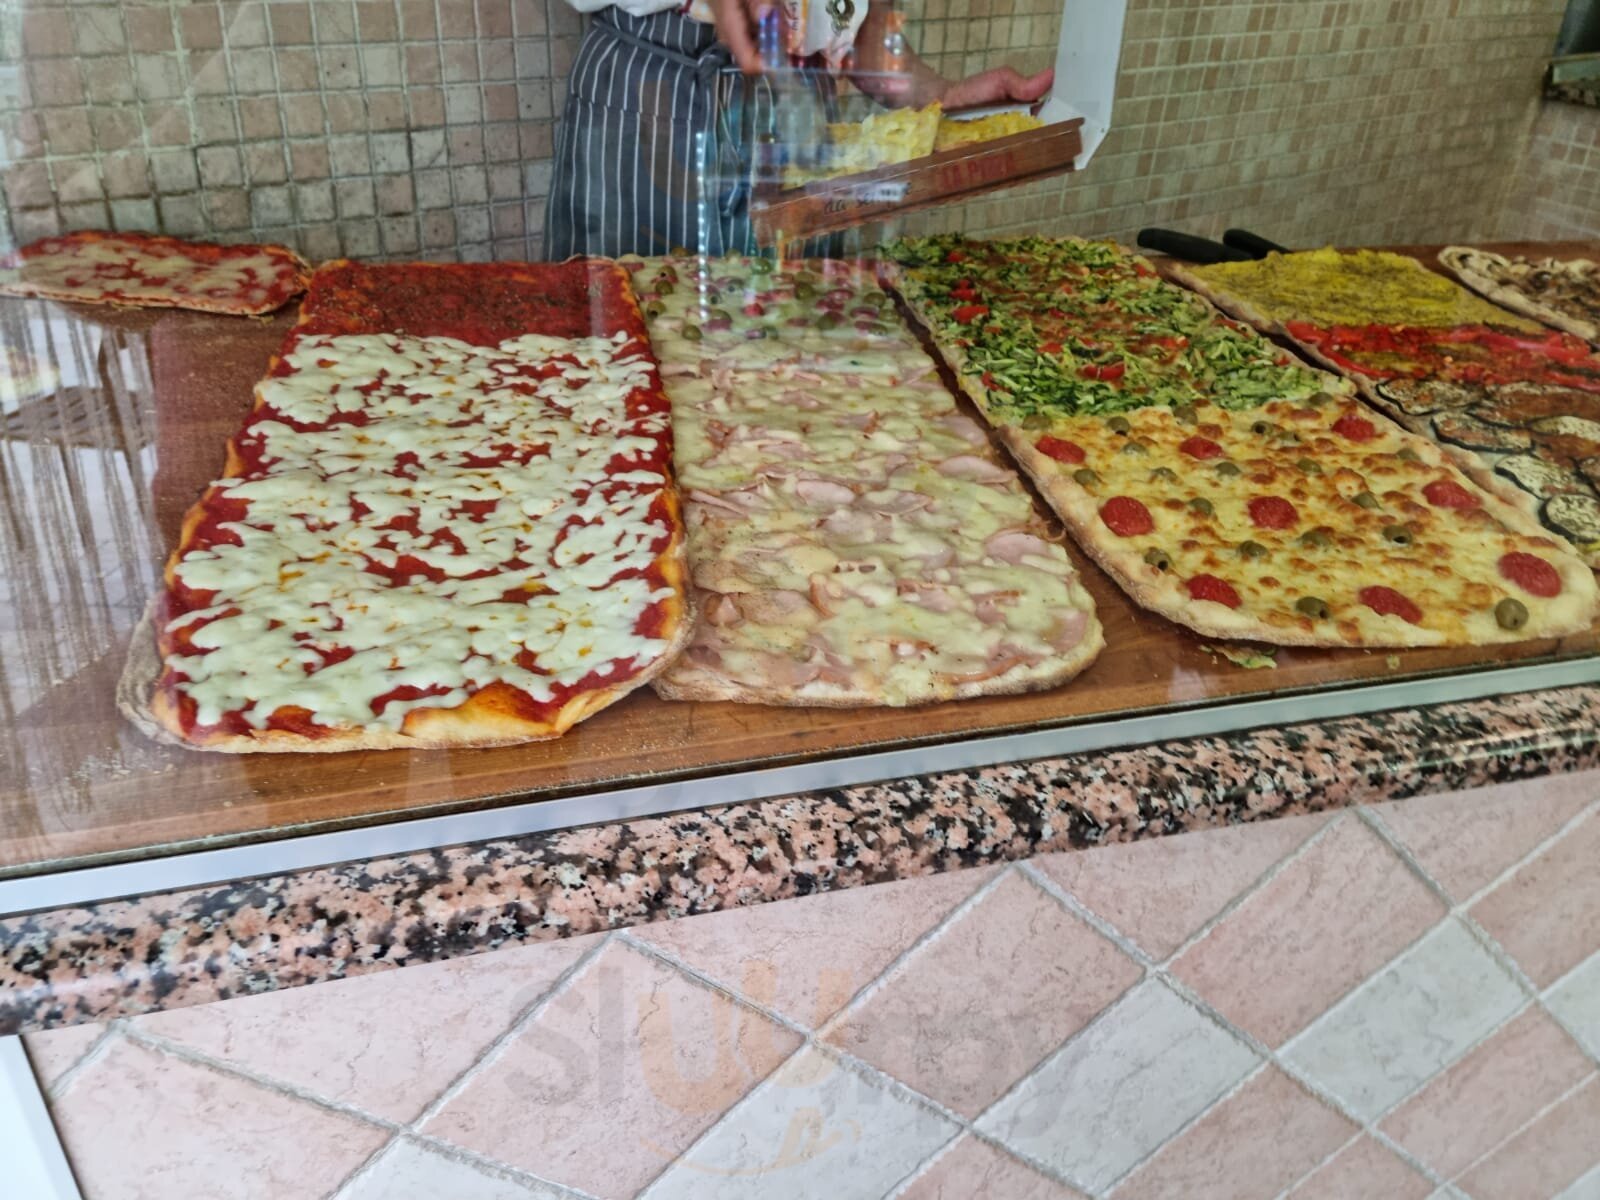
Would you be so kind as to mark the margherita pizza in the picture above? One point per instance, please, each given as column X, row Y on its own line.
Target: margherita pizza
column 1228, row 489
column 1563, row 293
column 854, row 539
column 443, row 523
column 151, row 271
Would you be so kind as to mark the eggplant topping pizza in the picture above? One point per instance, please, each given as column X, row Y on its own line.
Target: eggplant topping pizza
column 1563, row 293
column 1333, row 287
column 1229, row 490
column 145, row 270
column 441, row 525
column 854, row 540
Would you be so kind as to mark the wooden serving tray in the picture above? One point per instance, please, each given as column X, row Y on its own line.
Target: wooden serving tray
column 830, row 205
column 91, row 502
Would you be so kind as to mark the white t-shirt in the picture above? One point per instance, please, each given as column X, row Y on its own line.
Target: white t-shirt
column 822, row 34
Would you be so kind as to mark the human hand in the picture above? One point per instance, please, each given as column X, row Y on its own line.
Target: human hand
column 1002, row 85
column 737, row 22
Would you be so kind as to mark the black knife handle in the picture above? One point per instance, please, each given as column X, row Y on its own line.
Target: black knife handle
column 1252, row 244
column 1188, row 246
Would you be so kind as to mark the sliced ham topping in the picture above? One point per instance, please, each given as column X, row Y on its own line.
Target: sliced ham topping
column 850, row 525
column 823, row 492
column 721, row 609
column 1013, row 545
column 1070, row 629
column 771, row 607
column 929, row 596
column 965, row 428
column 896, row 503
column 991, row 606
column 978, row 470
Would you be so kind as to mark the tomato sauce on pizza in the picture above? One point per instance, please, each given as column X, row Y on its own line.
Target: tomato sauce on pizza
column 444, row 528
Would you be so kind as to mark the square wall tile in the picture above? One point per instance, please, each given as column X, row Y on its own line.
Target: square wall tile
column 816, row 1128
column 1127, row 1083
column 1250, row 1147
column 632, row 1056
column 1317, row 929
column 1405, row 1024
column 1030, row 975
column 1489, row 1094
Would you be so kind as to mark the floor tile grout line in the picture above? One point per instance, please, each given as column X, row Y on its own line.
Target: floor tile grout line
column 710, row 983
column 489, row 1165
column 450, row 1090
column 96, row 1050
column 1462, row 912
column 1328, row 1099
column 1263, row 880
column 885, row 977
column 918, row 1170
column 1538, row 1116
column 199, row 1058
column 1306, row 1178
column 813, row 1040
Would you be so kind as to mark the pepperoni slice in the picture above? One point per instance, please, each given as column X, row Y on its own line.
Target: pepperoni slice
column 1060, row 449
column 1355, row 428
column 1126, row 517
column 1200, row 447
column 1387, row 602
column 1447, row 493
column 1273, row 512
column 1209, row 587
column 1530, row 573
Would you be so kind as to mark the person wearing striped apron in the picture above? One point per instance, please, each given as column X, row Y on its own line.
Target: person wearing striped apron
column 656, row 141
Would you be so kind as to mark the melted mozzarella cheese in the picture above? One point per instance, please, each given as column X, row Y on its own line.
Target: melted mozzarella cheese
column 137, row 270
column 327, row 606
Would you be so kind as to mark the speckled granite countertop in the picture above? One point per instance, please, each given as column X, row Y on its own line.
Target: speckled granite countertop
column 111, row 959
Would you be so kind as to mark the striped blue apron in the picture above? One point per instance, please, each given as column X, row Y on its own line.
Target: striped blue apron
column 655, row 144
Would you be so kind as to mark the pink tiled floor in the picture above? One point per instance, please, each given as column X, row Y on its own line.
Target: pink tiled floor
column 1398, row 1003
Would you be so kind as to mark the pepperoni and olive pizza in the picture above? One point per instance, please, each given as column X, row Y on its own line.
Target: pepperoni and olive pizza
column 445, row 522
column 1229, row 489
column 152, row 271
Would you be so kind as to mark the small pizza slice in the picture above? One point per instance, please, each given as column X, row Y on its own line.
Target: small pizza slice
column 151, row 271
column 460, row 533
column 1334, row 287
column 1563, row 293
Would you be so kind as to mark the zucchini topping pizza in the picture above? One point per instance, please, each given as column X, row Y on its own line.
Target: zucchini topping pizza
column 1220, row 484
column 1517, row 410
column 441, row 524
column 853, row 538
column 151, row 271
column 1563, row 293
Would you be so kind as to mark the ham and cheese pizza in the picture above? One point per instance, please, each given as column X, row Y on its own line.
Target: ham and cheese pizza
column 444, row 523
column 853, row 537
column 151, row 271
column 1219, row 483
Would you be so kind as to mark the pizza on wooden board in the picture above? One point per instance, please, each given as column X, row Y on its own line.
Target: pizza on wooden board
column 1563, row 293
column 449, row 520
column 152, row 271
column 854, row 539
column 1220, row 483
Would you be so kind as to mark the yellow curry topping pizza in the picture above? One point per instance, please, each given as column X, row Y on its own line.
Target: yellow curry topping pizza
column 1220, row 484
column 444, row 523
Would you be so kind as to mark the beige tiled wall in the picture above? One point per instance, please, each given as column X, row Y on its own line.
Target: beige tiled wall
column 1559, row 191
column 405, row 127
column 1396, row 1003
